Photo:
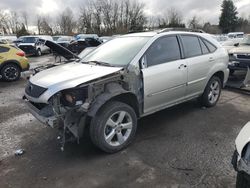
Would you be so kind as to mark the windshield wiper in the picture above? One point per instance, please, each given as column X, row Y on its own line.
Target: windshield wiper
column 101, row 63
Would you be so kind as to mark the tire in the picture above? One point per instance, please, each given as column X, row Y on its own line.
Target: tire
column 10, row 72
column 211, row 96
column 38, row 52
column 243, row 180
column 107, row 132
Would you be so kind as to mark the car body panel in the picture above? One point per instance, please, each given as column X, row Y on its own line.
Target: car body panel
column 68, row 76
column 243, row 138
column 172, row 88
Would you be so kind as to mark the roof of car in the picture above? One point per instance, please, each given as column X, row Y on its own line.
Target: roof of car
column 153, row 33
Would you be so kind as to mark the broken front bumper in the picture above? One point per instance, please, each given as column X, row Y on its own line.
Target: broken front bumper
column 43, row 114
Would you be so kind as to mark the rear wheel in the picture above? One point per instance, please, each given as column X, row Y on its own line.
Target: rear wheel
column 11, row 72
column 212, row 92
column 114, row 127
column 243, row 180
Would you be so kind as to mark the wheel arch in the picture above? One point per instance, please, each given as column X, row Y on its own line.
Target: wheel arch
column 114, row 92
column 220, row 75
column 10, row 62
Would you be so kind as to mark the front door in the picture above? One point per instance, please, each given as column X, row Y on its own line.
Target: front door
column 165, row 75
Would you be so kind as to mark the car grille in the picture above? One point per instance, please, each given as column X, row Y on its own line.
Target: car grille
column 243, row 56
column 34, row 90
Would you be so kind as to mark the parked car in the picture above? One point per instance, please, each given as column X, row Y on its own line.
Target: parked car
column 231, row 43
column 12, row 62
column 56, row 37
column 239, row 56
column 241, row 157
column 64, row 41
column 84, row 36
column 124, row 79
column 79, row 45
column 235, row 35
column 31, row 45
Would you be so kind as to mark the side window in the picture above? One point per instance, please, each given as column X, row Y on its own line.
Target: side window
column 210, row 46
column 3, row 49
column 163, row 50
column 204, row 47
column 191, row 46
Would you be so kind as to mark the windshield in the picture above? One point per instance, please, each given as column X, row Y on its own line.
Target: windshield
column 29, row 39
column 246, row 40
column 117, row 52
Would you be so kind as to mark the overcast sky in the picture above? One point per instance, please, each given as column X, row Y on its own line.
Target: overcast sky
column 206, row 10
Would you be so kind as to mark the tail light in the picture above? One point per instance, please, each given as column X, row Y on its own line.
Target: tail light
column 22, row 54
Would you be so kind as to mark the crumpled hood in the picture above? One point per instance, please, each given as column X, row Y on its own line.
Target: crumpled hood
column 244, row 49
column 68, row 76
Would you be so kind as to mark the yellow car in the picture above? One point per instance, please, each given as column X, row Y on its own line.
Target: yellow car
column 12, row 62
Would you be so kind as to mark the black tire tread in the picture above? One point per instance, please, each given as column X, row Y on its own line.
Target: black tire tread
column 243, row 180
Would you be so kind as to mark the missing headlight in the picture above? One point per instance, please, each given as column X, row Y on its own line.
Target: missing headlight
column 74, row 97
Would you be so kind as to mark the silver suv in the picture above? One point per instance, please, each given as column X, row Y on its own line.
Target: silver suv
column 124, row 79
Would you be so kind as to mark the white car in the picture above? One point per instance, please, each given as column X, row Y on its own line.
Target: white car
column 241, row 157
column 127, row 78
column 31, row 45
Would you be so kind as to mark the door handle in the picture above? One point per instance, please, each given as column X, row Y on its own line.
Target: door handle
column 182, row 66
column 211, row 59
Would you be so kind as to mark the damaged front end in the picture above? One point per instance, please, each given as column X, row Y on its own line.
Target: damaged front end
column 68, row 110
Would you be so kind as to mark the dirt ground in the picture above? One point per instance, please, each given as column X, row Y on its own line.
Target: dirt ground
column 184, row 146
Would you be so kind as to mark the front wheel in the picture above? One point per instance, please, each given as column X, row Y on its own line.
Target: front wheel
column 212, row 92
column 114, row 127
column 243, row 180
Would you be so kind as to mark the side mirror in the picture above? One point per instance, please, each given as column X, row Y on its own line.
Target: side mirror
column 237, row 44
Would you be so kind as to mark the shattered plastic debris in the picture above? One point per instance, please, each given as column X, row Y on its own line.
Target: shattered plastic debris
column 19, row 152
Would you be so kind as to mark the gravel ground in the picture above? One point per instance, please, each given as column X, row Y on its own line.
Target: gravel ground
column 184, row 146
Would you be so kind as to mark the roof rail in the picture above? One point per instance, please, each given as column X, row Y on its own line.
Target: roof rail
column 180, row 29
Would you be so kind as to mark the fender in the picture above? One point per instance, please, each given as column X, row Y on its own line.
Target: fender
column 10, row 61
column 111, row 90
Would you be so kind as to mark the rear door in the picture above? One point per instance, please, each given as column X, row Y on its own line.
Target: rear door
column 199, row 60
column 165, row 75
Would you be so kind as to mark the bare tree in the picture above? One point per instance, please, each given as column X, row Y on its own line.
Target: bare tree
column 25, row 19
column 66, row 22
column 112, row 16
column 175, row 18
column 44, row 25
column 194, row 23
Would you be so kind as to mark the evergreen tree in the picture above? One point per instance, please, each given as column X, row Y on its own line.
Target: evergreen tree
column 228, row 18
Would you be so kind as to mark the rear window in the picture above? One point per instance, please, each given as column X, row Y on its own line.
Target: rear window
column 211, row 47
column 3, row 49
column 191, row 46
column 204, row 47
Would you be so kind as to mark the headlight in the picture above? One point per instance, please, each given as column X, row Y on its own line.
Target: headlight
column 74, row 97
